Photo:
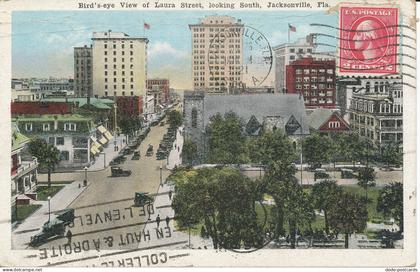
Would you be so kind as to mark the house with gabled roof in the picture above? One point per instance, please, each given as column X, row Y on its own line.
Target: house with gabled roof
column 327, row 120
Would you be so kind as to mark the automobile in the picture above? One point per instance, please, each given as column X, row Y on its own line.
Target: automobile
column 118, row 160
column 136, row 155
column 141, row 199
column 127, row 151
column 149, row 151
column 66, row 215
column 119, row 172
column 347, row 173
column 162, row 124
column 160, row 155
column 321, row 173
column 53, row 228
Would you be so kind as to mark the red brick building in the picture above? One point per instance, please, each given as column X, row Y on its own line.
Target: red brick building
column 129, row 106
column 19, row 108
column 159, row 88
column 315, row 79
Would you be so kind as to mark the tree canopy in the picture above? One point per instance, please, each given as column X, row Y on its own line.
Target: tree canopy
column 174, row 118
column 317, row 149
column 223, row 199
column 390, row 202
column 48, row 155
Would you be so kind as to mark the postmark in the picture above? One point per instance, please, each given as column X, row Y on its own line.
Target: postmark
column 252, row 69
column 367, row 40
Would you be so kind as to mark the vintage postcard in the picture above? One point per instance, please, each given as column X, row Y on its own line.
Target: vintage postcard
column 208, row 133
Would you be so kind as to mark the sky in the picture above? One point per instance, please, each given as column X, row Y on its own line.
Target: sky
column 43, row 41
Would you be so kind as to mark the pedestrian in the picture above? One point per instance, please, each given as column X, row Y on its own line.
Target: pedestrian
column 170, row 194
column 158, row 220
column 69, row 235
column 167, row 221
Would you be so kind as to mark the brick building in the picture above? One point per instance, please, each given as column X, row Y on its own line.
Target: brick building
column 129, row 106
column 315, row 80
column 159, row 88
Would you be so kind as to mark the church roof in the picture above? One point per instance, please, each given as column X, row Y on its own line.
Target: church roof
column 283, row 106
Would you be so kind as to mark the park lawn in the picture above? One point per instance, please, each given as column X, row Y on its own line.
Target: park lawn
column 373, row 194
column 23, row 211
column 43, row 191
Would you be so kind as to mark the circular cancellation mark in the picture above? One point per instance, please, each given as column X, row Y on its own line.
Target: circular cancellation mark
column 248, row 61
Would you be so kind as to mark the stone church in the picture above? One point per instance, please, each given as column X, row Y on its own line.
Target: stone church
column 258, row 112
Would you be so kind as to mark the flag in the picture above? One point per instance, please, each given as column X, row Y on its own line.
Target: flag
column 146, row 26
column 292, row 28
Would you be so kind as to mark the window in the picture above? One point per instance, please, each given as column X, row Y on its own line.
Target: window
column 292, row 50
column 45, row 127
column 64, row 155
column 114, row 46
column 131, row 86
column 105, row 46
column 28, row 127
column 106, row 59
column 194, row 118
column 51, row 140
column 106, row 93
column 131, row 53
column 106, row 73
column 70, row 127
column 367, row 86
column 59, row 141
column 292, row 57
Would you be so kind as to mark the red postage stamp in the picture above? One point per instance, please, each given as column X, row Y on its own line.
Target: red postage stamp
column 368, row 40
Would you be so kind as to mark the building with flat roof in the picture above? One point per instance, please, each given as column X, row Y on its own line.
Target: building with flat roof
column 217, row 54
column 119, row 64
column 83, row 71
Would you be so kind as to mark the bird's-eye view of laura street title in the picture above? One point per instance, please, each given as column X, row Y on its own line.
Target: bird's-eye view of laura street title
column 203, row 131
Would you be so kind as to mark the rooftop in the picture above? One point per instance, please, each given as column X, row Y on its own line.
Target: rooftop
column 52, row 117
column 18, row 139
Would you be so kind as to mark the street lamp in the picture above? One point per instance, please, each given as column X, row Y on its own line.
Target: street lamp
column 103, row 153
column 85, row 181
column 49, row 208
column 161, row 175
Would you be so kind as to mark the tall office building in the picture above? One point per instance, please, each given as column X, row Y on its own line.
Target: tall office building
column 217, row 54
column 83, row 71
column 119, row 64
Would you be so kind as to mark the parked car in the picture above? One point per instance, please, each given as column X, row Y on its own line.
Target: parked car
column 119, row 172
column 321, row 173
column 347, row 173
column 136, row 155
column 141, row 199
column 149, row 151
column 118, row 160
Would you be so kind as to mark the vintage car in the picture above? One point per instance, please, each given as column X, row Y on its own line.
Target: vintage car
column 136, row 155
column 118, row 160
column 141, row 199
column 347, row 173
column 119, row 172
column 53, row 228
column 149, row 151
column 321, row 173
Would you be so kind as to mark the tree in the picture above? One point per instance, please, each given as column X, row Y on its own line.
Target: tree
column 317, row 149
column 390, row 202
column 275, row 150
column 222, row 198
column 226, row 139
column 366, row 178
column 324, row 195
column 174, row 118
column 48, row 156
column 348, row 215
column 130, row 125
column 391, row 155
column 189, row 151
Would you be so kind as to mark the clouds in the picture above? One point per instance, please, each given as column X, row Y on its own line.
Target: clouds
column 160, row 49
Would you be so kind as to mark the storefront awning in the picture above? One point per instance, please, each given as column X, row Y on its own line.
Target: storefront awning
column 94, row 150
column 95, row 143
column 103, row 140
column 105, row 132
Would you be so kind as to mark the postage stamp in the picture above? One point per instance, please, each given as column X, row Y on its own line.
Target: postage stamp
column 368, row 40
column 181, row 133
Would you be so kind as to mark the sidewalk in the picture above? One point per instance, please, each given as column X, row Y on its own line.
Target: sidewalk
column 174, row 158
column 33, row 224
column 107, row 154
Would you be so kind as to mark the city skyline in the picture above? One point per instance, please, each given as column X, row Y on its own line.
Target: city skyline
column 42, row 42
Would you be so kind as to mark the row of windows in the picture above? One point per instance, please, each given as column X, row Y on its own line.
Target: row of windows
column 114, row 46
column 300, row 50
column 115, row 59
column 47, row 127
column 315, row 79
column 317, row 101
column 314, row 71
column 122, row 73
column 122, row 53
column 116, row 80
column 115, row 93
column 122, row 86
column 314, row 86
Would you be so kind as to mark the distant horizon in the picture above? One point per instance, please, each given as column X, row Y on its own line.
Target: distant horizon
column 43, row 41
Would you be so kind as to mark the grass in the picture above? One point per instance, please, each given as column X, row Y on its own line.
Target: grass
column 373, row 194
column 44, row 191
column 23, row 211
column 56, row 182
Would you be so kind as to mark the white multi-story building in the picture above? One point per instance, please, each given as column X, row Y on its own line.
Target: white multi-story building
column 217, row 54
column 119, row 64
